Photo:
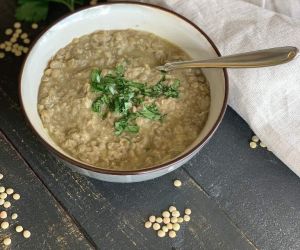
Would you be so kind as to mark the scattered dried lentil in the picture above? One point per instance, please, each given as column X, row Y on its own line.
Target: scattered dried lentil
column 156, row 226
column 6, row 204
column 2, row 46
column 165, row 229
column 177, row 183
column 188, row 211
column 148, row 224
column 1, row 176
column 27, row 41
column 180, row 220
column 175, row 213
column 18, row 31
column 1, row 201
column 186, row 218
column 26, row 234
column 16, row 196
column 174, row 219
column 3, row 215
column 8, row 32
column 159, row 220
column 161, row 233
column 172, row 234
column 3, row 196
column 152, row 218
column 17, row 25
column 25, row 50
column 166, row 220
column 166, row 214
column 253, row 144
column 14, row 216
column 4, row 225
column 7, row 241
column 176, row 227
column 255, row 138
column 34, row 26
column 172, row 208
column 24, row 35
column 9, row 191
column 263, row 145
column 19, row 229
column 170, row 226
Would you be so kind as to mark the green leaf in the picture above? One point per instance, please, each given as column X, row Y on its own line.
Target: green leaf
column 151, row 112
column 32, row 10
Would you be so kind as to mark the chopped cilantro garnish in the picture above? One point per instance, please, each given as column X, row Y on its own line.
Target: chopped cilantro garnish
column 119, row 95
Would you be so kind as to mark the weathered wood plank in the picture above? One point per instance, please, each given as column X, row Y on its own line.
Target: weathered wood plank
column 50, row 226
column 258, row 191
column 113, row 214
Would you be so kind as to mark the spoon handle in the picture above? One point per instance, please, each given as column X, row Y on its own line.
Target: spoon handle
column 253, row 59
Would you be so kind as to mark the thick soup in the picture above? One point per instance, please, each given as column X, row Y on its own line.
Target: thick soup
column 164, row 119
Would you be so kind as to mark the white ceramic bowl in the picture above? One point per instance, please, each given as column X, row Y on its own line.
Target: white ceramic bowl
column 159, row 21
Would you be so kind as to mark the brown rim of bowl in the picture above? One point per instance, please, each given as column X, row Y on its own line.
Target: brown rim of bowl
column 140, row 171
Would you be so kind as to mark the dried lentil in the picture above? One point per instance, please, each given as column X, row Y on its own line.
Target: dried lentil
column 19, row 229
column 7, row 241
column 17, row 25
column 16, row 196
column 159, row 220
column 152, row 218
column 34, row 26
column 188, row 211
column 3, row 215
column 3, row 196
column 156, row 226
column 174, row 219
column 176, row 227
column 177, row 183
column 166, row 214
column 186, row 218
column 175, row 213
column 169, row 226
column 14, row 216
column 8, row 32
column 26, row 234
column 2, row 189
column 172, row 208
column 9, row 191
column 255, row 138
column 26, row 41
column 7, row 204
column 148, row 224
column 1, row 176
column 166, row 220
column 253, row 144
column 1, row 201
column 172, row 234
column 4, row 225
column 263, row 145
column 165, row 229
column 161, row 233
column 180, row 220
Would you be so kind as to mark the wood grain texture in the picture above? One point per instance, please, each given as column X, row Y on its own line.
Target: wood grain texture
column 113, row 214
column 256, row 189
column 50, row 226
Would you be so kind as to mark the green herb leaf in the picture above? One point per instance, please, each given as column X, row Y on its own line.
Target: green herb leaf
column 32, row 10
column 151, row 112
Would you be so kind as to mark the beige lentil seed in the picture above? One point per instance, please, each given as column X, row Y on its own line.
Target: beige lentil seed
column 175, row 213
column 13, row 40
column 172, row 234
column 165, row 229
column 177, row 183
column 255, row 138
column 161, row 233
column 18, row 31
column 169, row 226
column 2, row 189
column 180, row 220
column 152, row 218
column 4, row 225
column 176, row 227
column 14, row 216
column 27, row 41
column 24, row 35
column 7, row 241
column 17, row 25
column 9, row 191
column 15, row 35
column 18, row 53
column 19, row 229
column 263, row 145
column 186, row 218
column 166, row 220
column 174, row 219
column 7, row 204
column 25, row 50
column 34, row 26
column 1, row 176
column 3, row 215
column 148, row 224
column 253, row 144
column 2, row 46
column 8, row 32
column 188, row 211
column 7, row 49
column 166, row 214
column 159, row 220
column 16, row 196
column 172, row 208
column 156, row 226
column 26, row 234
column 1, row 201
column 3, row 196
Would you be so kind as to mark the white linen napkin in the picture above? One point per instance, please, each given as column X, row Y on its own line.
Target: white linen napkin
column 268, row 99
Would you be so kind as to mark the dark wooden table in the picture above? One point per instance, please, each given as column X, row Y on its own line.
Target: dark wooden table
column 240, row 198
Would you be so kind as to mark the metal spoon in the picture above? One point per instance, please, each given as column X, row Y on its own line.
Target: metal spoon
column 253, row 59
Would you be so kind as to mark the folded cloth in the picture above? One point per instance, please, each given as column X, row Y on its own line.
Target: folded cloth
column 268, row 99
